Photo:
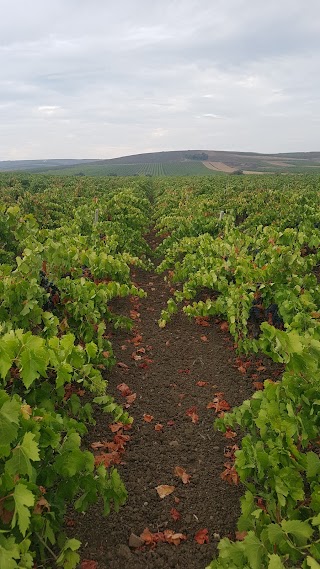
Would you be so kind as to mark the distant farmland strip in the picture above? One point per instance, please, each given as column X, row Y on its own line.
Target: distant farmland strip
column 187, row 168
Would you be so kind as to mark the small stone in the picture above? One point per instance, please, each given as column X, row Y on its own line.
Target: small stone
column 135, row 541
column 216, row 536
column 145, row 503
column 174, row 443
column 123, row 551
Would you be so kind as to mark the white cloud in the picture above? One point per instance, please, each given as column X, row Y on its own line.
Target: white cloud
column 99, row 80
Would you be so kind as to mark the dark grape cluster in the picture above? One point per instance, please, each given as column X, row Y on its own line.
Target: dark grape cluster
column 52, row 290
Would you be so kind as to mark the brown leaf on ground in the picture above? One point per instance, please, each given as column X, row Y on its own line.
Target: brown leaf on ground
column 89, row 564
column 258, row 385
column 158, row 427
column 218, row 406
column 230, row 474
column 174, row 538
column 107, row 459
column 170, row 423
column 230, row 434
column 204, row 338
column 175, row 514
column 202, row 321
column 192, row 413
column 147, row 418
column 202, row 536
column 122, row 365
column 164, row 490
column 224, row 326
column 136, row 340
column 240, row 535
column 124, row 389
column 115, row 427
column 130, row 399
column 186, row 371
column 261, row 368
column 136, row 357
column 202, row 383
column 181, row 473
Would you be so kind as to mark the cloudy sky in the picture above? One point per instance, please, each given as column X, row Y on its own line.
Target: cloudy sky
column 101, row 78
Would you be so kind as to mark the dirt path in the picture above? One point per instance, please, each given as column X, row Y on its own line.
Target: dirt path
column 166, row 389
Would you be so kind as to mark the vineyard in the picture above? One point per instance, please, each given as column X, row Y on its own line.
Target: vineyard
column 159, row 365
column 186, row 168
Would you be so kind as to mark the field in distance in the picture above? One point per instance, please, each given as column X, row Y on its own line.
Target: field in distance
column 176, row 163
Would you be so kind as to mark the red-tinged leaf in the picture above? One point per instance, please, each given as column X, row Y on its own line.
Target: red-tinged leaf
column 141, row 351
column 164, row 490
column 89, row 564
column 204, row 338
column 229, row 451
column 181, row 473
column 202, row 536
column 261, row 368
column 254, row 376
column 175, row 514
column 258, row 385
column 230, row 474
column 134, row 314
column 115, row 427
column 242, row 369
column 148, row 361
column 107, row 459
column 106, row 354
column 186, row 371
column 130, row 399
column 147, row 537
column 261, row 504
column 136, row 340
column 124, row 389
column 230, row 434
column 97, row 445
column 70, row 523
column 170, row 423
column 158, row 427
column 224, row 326
column 202, row 383
column 240, row 535
column 136, row 357
column 202, row 321
column 143, row 365
column 174, row 538
column 219, row 394
column 192, row 413
column 124, row 347
column 147, row 418
column 122, row 365
column 219, row 405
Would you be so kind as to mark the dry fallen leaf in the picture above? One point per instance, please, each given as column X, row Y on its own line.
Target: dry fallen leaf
column 88, row 564
column 178, row 471
column 124, row 389
column 147, row 418
column 224, row 326
column 158, row 427
column 202, row 383
column 175, row 514
column 192, row 412
column 240, row 535
column 122, row 365
column 172, row 537
column 204, row 338
column 202, row 536
column 164, row 490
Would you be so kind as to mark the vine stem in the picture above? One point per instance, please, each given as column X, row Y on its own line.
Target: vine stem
column 46, row 546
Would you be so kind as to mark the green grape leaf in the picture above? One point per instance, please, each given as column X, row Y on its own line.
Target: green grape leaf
column 23, row 499
column 20, row 463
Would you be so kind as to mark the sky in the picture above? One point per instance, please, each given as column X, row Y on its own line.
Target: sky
column 100, row 79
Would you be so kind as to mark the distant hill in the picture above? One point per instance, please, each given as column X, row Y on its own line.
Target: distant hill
column 175, row 163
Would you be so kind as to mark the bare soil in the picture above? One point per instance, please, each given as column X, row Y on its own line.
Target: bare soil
column 166, row 389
